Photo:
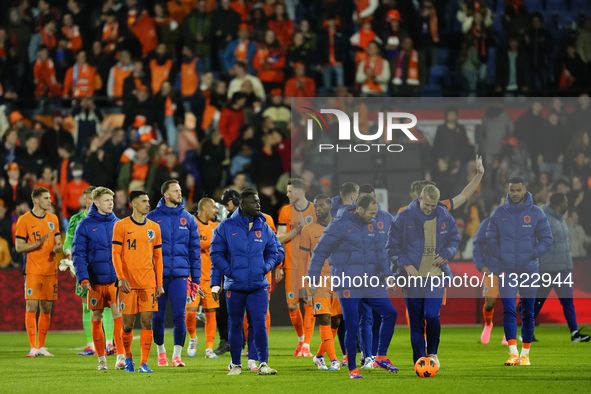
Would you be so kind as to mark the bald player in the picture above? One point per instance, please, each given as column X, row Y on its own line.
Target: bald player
column 206, row 213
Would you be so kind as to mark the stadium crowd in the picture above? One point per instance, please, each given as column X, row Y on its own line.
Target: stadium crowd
column 204, row 88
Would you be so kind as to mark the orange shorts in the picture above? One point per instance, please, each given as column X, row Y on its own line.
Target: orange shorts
column 137, row 300
column 491, row 287
column 208, row 302
column 41, row 287
column 101, row 296
column 292, row 291
column 327, row 302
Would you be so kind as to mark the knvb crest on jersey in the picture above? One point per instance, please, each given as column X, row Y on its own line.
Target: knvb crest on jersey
column 392, row 123
column 51, row 226
column 151, row 234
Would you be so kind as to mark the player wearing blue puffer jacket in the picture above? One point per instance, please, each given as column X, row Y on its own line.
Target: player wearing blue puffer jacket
column 93, row 262
column 423, row 238
column 244, row 250
column 486, row 264
column 181, row 257
column 517, row 235
column 353, row 251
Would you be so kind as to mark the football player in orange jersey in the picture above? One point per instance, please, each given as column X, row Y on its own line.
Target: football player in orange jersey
column 327, row 306
column 38, row 237
column 288, row 232
column 206, row 212
column 137, row 257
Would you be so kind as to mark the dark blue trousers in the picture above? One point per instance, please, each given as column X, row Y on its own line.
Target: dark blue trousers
column 256, row 303
column 508, row 289
column 564, row 293
column 176, row 290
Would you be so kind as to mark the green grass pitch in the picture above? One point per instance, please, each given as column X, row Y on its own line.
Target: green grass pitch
column 467, row 367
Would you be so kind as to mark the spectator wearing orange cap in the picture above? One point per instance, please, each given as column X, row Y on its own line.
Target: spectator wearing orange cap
column 333, row 53
column 81, row 79
column 362, row 38
column 393, row 33
column 241, row 76
column 44, row 75
column 300, row 85
column 13, row 188
column 17, row 122
column 281, row 25
column 278, row 112
column 240, row 49
column 373, row 73
column 269, row 61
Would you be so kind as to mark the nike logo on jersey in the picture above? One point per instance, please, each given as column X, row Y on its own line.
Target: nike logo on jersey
column 320, row 235
column 504, row 219
column 350, row 230
column 33, row 226
column 410, row 226
column 234, row 233
column 94, row 229
column 131, row 232
column 158, row 221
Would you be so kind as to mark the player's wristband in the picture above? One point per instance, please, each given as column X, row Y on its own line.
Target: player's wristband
column 84, row 282
column 215, row 289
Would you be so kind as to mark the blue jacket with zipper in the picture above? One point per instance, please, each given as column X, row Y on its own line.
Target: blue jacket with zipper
column 406, row 243
column 352, row 248
column 517, row 235
column 559, row 257
column 181, row 247
column 243, row 256
column 92, row 248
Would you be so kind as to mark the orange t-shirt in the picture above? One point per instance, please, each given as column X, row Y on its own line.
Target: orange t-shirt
column 137, row 253
column 292, row 247
column 205, row 234
column 310, row 237
column 31, row 228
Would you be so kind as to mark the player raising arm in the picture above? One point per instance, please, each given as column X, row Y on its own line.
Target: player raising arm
column 137, row 256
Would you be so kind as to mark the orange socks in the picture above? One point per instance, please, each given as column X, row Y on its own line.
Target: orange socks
column 98, row 337
column 191, row 322
column 118, row 325
column 297, row 321
column 381, row 358
column 268, row 323
column 146, row 344
column 127, row 338
column 526, row 345
column 44, row 321
column 309, row 321
column 512, row 342
column 210, row 327
column 327, row 343
column 31, row 323
column 488, row 316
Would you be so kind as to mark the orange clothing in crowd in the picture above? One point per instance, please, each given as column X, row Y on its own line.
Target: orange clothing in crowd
column 71, row 196
column 241, row 9
column 110, row 36
column 44, row 76
column 5, row 257
column 307, row 89
column 283, row 30
column 73, row 36
column 178, row 9
column 189, row 78
column 82, row 81
column 52, row 190
column 160, row 73
column 205, row 233
column 274, row 59
column 145, row 31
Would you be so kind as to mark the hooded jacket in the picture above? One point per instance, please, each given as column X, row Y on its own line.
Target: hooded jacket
column 481, row 255
column 559, row 257
column 243, row 256
column 92, row 248
column 517, row 235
